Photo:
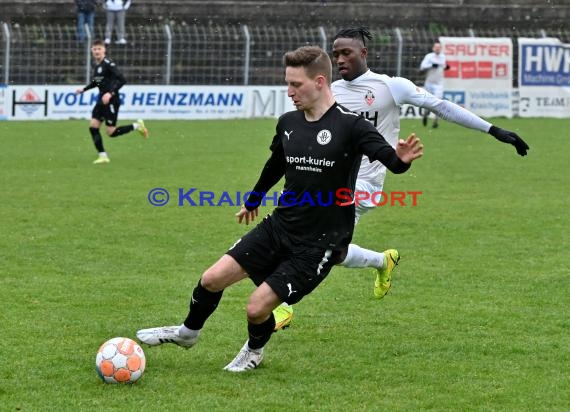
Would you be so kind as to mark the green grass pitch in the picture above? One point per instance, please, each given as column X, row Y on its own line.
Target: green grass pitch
column 477, row 318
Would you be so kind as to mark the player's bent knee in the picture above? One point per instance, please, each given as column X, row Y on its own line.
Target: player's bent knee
column 256, row 312
column 218, row 278
column 210, row 281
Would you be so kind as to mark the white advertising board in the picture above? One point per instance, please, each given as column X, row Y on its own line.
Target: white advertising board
column 480, row 76
column 544, row 78
column 149, row 102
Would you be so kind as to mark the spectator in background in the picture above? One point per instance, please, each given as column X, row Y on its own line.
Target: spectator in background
column 115, row 10
column 85, row 15
column 434, row 64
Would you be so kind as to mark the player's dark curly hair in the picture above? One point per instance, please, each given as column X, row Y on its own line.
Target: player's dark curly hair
column 360, row 33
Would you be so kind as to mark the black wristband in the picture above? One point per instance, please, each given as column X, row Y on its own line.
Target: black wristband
column 253, row 201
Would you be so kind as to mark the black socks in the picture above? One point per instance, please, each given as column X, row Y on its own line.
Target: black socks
column 122, row 130
column 97, row 139
column 202, row 305
column 259, row 334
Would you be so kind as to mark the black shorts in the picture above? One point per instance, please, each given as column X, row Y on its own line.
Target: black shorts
column 291, row 269
column 107, row 113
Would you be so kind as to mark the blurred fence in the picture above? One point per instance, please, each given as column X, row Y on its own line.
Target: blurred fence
column 210, row 54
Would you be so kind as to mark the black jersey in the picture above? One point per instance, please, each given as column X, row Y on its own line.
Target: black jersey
column 317, row 159
column 107, row 77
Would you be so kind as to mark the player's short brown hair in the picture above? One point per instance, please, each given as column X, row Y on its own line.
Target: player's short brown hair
column 314, row 59
column 98, row 42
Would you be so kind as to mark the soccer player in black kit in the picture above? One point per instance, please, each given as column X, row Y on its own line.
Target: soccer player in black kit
column 288, row 254
column 109, row 80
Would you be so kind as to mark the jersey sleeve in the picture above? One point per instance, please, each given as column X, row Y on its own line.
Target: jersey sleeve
column 118, row 80
column 91, row 85
column 372, row 144
column 454, row 113
column 426, row 62
column 406, row 92
column 272, row 172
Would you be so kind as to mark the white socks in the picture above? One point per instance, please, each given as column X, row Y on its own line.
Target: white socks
column 358, row 257
column 184, row 332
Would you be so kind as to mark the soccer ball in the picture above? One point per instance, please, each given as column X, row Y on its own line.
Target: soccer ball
column 120, row 360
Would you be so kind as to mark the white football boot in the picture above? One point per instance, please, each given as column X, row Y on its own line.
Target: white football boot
column 245, row 360
column 166, row 334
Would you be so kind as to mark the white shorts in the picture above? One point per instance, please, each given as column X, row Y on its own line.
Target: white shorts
column 364, row 206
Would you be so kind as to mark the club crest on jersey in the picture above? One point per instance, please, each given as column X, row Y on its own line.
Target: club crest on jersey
column 369, row 97
column 324, row 137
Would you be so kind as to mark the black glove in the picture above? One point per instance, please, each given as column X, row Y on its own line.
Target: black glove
column 506, row 136
column 447, row 67
column 435, row 65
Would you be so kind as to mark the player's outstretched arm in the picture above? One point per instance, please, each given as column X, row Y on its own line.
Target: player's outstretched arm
column 509, row 137
column 248, row 215
column 405, row 91
column 410, row 149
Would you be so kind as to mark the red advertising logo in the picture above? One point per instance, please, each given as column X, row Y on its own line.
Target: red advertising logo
column 501, row 70
column 30, row 96
column 485, row 70
column 468, row 70
column 453, row 71
column 476, row 70
column 491, row 50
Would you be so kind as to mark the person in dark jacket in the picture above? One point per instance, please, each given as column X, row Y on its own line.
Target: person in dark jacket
column 85, row 16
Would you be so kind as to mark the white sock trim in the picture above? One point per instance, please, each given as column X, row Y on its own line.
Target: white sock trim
column 184, row 332
column 358, row 257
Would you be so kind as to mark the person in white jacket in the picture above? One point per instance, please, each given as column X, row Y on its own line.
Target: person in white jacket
column 433, row 65
column 115, row 10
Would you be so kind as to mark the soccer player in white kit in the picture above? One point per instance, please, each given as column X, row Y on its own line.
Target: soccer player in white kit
column 434, row 64
column 378, row 98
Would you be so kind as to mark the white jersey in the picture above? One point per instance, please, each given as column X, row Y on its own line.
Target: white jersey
column 378, row 97
column 434, row 76
column 117, row 5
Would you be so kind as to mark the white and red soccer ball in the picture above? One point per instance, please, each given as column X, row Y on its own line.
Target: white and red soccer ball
column 120, row 360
